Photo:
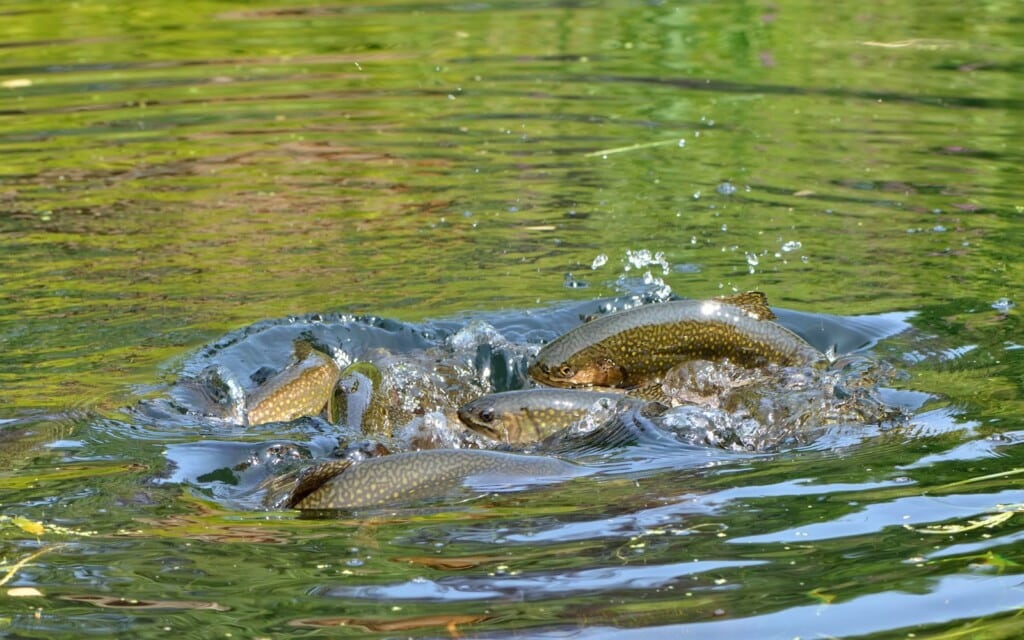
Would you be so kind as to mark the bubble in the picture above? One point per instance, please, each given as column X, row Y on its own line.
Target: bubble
column 726, row 188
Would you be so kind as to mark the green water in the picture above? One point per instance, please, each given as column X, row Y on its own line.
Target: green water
column 171, row 173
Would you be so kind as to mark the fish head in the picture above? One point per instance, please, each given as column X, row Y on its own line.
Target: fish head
column 600, row 372
column 482, row 416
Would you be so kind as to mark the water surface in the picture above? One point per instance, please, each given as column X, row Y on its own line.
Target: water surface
column 172, row 174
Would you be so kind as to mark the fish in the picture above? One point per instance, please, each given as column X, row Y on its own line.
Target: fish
column 635, row 347
column 303, row 388
column 530, row 415
column 403, row 478
column 359, row 400
column 631, row 424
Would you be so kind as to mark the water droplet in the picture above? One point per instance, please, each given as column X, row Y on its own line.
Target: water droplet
column 726, row 188
column 1002, row 305
column 599, row 261
column 682, row 142
column 696, row 195
column 792, row 245
column 572, row 283
column 752, row 259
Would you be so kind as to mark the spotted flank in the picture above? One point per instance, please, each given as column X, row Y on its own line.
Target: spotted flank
column 635, row 347
column 408, row 477
column 303, row 388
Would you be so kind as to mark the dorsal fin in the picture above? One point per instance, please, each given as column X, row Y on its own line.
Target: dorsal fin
column 755, row 303
column 315, row 478
column 302, row 348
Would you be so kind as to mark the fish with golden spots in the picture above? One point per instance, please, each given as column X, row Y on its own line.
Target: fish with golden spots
column 401, row 478
column 635, row 347
column 530, row 415
column 303, row 388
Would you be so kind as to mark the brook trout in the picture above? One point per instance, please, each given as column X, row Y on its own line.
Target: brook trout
column 303, row 388
column 416, row 475
column 530, row 415
column 636, row 346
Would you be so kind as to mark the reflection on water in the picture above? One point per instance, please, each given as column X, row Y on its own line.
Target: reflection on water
column 172, row 173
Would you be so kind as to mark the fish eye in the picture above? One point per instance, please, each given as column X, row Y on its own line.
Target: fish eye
column 566, row 371
column 487, row 415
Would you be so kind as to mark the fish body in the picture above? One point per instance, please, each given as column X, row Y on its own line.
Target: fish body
column 416, row 475
column 629, row 425
column 634, row 347
column 303, row 388
column 530, row 415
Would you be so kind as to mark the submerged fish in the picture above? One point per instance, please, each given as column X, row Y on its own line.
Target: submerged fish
column 415, row 475
column 636, row 346
column 530, row 415
column 303, row 388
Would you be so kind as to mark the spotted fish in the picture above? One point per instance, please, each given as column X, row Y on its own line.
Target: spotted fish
column 530, row 415
column 635, row 347
column 416, row 475
column 303, row 388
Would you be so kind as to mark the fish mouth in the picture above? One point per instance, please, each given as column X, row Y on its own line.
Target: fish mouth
column 473, row 423
column 486, row 431
column 539, row 372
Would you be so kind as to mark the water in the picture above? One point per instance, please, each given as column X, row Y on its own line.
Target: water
column 174, row 173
